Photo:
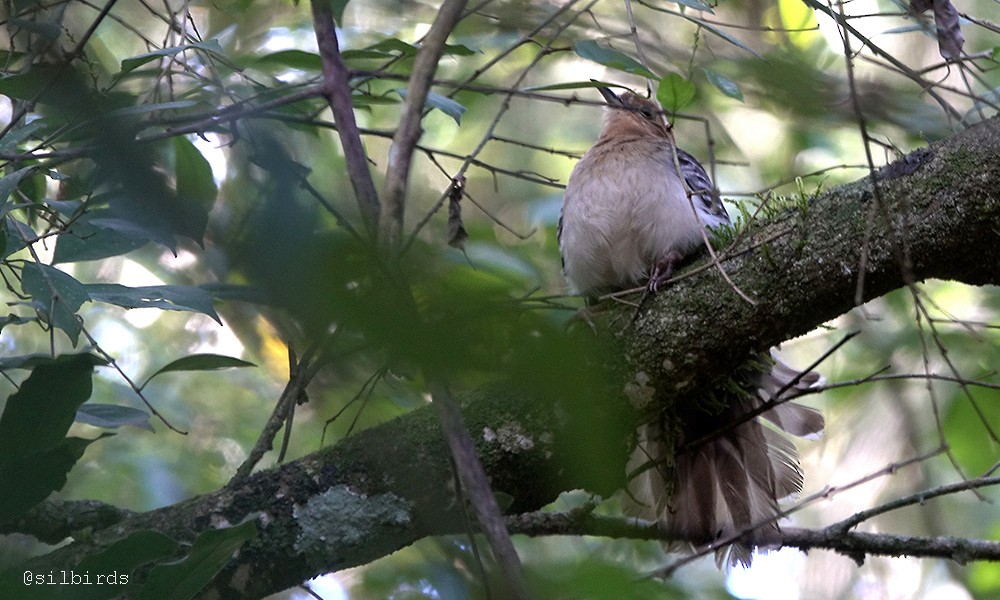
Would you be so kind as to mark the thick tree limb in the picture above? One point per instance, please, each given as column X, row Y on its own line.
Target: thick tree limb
column 389, row 484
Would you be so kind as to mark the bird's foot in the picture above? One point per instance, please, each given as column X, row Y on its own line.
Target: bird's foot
column 662, row 271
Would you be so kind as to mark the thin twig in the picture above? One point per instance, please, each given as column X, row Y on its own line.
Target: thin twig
column 337, row 89
column 409, row 130
column 476, row 486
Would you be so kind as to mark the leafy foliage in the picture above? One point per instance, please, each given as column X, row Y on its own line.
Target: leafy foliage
column 181, row 163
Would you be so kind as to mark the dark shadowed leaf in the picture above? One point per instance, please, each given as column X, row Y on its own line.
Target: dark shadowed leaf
column 337, row 8
column 56, row 296
column 39, row 414
column 186, row 577
column 89, row 241
column 9, row 183
column 166, row 297
column 122, row 558
column 35, row 454
column 27, row 480
column 200, row 362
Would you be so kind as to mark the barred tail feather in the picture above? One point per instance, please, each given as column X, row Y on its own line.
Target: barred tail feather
column 730, row 485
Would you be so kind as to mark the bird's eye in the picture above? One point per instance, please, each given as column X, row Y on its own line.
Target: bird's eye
column 648, row 112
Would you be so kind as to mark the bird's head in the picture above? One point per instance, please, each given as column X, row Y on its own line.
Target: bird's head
column 629, row 114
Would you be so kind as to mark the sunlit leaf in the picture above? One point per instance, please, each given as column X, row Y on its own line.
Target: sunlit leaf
column 192, row 174
column 674, row 92
column 590, row 50
column 210, row 552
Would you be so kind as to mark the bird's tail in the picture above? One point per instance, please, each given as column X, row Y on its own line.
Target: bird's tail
column 724, row 474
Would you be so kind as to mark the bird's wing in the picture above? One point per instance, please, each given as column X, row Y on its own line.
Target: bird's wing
column 706, row 198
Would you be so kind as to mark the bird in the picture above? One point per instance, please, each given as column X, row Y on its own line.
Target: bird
column 635, row 208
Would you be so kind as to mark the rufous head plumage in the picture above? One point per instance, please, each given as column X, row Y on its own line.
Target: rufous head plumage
column 631, row 115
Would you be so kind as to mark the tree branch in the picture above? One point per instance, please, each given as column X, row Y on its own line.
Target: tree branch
column 392, row 480
column 409, row 131
column 337, row 89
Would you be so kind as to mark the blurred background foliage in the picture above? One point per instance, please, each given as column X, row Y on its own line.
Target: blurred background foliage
column 183, row 144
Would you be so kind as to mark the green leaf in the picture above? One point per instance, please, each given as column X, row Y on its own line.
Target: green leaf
column 38, row 415
column 292, row 59
column 142, row 109
column 674, row 92
column 112, row 416
column 722, row 34
column 15, row 235
column 9, row 182
column 443, row 103
column 184, row 578
column 56, row 295
column 200, row 362
column 121, row 559
column 193, row 174
column 27, row 480
column 165, row 297
column 446, row 105
column 337, row 8
column 696, row 4
column 608, row 57
column 19, row 134
column 394, row 46
column 30, row 361
column 130, row 64
column 724, row 84
column 13, row 319
column 88, row 241
column 35, row 454
column 458, row 50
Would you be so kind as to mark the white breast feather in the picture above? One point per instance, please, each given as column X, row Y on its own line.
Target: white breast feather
column 620, row 216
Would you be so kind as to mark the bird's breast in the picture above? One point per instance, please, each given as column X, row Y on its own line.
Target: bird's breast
column 624, row 209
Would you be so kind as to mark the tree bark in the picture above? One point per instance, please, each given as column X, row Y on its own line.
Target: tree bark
column 933, row 214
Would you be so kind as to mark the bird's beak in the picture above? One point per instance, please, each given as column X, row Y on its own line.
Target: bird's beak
column 610, row 97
